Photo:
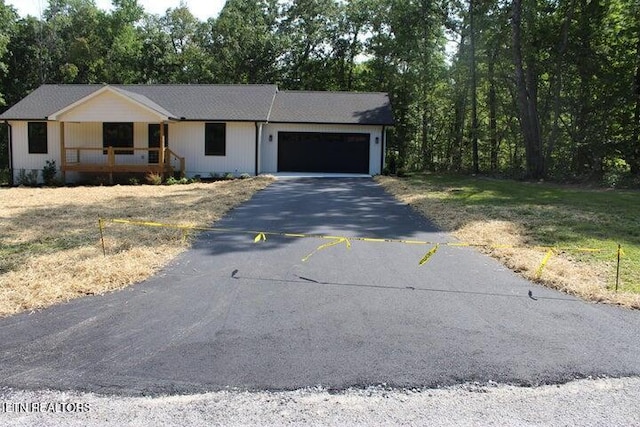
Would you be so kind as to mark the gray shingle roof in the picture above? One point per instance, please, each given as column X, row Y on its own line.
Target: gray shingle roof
column 210, row 102
column 145, row 101
column 46, row 100
column 220, row 102
column 332, row 107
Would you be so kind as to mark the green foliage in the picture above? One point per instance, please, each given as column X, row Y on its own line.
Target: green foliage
column 8, row 18
column 28, row 179
column 245, row 46
column 4, row 176
column 580, row 60
column 173, row 181
column 228, row 176
column 391, row 162
column 616, row 171
column 245, row 176
column 49, row 172
column 134, row 181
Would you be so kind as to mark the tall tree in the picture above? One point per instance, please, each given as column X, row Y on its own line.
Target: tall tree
column 122, row 64
column 526, row 86
column 187, row 59
column 307, row 30
column 474, row 87
column 8, row 18
column 244, row 42
column 75, row 46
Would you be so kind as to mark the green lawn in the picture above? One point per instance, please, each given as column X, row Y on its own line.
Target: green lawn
column 552, row 215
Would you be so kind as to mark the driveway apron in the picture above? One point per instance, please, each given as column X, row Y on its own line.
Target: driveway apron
column 231, row 313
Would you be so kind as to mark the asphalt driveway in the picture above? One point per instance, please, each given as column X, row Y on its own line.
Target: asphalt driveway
column 231, row 313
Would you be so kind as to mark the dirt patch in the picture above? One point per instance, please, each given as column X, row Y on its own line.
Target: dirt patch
column 50, row 244
column 564, row 271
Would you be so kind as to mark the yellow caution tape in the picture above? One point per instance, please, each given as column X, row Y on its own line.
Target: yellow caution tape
column 429, row 254
column 335, row 240
column 546, row 259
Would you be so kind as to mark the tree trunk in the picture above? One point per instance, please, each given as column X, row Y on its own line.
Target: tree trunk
column 493, row 122
column 474, row 89
column 458, row 130
column 427, row 154
column 634, row 159
column 557, row 84
column 526, row 94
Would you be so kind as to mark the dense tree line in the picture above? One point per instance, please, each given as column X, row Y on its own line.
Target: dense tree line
column 523, row 88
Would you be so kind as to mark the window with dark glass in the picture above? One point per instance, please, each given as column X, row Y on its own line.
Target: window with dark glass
column 118, row 135
column 37, row 137
column 215, row 135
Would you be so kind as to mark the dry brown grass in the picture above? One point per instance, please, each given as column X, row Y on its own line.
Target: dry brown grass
column 564, row 272
column 50, row 244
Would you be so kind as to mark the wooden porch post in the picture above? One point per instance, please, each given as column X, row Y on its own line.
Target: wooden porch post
column 161, row 151
column 63, row 155
column 111, row 162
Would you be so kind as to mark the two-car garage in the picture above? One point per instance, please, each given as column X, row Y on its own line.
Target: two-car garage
column 325, row 132
column 323, row 152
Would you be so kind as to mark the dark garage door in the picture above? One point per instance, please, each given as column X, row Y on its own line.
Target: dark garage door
column 323, row 152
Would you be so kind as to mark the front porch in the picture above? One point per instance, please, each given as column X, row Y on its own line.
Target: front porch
column 112, row 160
column 114, row 131
column 84, row 148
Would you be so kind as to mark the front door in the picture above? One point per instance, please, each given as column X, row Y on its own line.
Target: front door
column 154, row 140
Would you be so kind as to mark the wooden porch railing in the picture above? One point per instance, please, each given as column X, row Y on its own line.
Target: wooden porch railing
column 121, row 159
column 170, row 156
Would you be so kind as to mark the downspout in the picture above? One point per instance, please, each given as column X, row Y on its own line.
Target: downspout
column 382, row 149
column 257, row 151
column 10, row 149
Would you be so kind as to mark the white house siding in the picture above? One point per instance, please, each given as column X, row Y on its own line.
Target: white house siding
column 20, row 146
column 109, row 107
column 87, row 135
column 269, row 149
column 186, row 139
column 84, row 135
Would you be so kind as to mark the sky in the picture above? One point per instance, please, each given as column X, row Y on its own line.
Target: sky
column 203, row 9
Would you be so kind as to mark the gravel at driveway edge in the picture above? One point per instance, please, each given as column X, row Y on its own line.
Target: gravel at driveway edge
column 586, row 402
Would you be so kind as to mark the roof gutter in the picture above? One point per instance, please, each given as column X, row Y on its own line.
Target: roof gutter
column 10, row 150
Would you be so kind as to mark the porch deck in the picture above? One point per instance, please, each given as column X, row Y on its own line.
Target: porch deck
column 121, row 160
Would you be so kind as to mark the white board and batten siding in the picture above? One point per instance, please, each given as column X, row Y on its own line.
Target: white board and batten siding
column 89, row 135
column 22, row 159
column 187, row 140
column 269, row 149
column 109, row 107
column 84, row 135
